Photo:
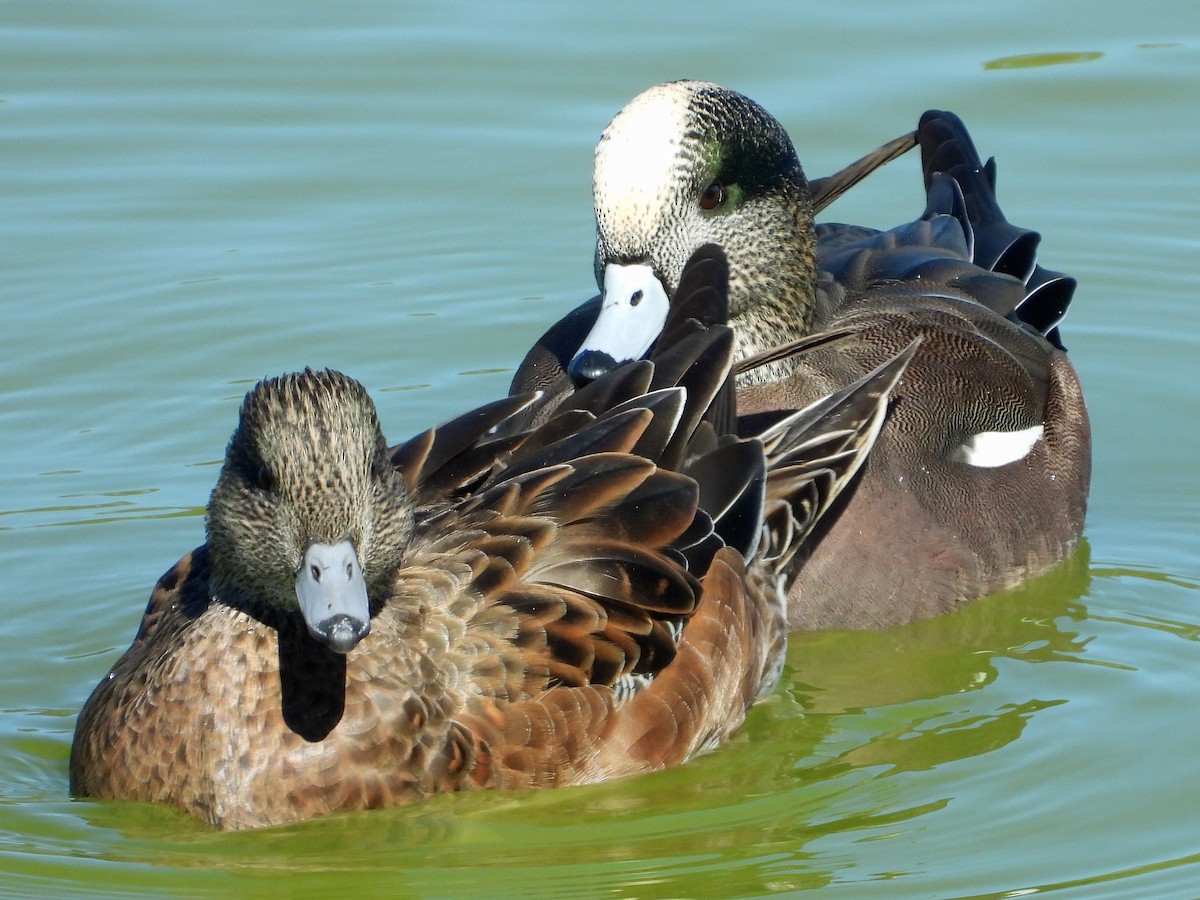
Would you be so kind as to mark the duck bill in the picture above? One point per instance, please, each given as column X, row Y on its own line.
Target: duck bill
column 333, row 595
column 633, row 311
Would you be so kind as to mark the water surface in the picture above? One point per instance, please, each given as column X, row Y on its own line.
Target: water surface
column 195, row 196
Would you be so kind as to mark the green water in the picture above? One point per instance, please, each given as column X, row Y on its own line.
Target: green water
column 193, row 196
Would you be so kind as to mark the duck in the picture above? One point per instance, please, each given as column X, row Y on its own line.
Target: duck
column 366, row 626
column 979, row 479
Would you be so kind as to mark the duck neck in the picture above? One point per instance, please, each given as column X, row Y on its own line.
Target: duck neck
column 269, row 603
column 773, row 294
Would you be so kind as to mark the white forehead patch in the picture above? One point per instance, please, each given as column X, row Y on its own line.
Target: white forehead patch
column 637, row 159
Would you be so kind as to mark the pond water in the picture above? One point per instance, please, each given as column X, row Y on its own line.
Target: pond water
column 194, row 196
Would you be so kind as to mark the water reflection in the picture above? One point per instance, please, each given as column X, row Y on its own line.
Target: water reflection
column 838, row 672
column 102, row 513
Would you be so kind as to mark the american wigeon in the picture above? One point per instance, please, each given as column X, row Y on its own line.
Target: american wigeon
column 364, row 627
column 979, row 479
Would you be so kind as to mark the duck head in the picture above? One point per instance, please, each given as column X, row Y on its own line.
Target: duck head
column 309, row 516
column 685, row 164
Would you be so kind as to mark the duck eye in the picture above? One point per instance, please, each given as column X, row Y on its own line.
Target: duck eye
column 263, row 479
column 713, row 196
column 381, row 466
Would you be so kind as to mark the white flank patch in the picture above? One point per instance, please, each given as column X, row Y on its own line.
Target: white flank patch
column 991, row 449
column 637, row 155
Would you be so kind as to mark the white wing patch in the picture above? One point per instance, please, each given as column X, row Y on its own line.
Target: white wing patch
column 992, row 449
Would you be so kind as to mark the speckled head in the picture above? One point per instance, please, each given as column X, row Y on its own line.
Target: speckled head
column 308, row 513
column 688, row 163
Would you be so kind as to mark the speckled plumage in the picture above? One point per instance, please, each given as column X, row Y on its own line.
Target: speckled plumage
column 586, row 599
column 949, row 507
column 711, row 139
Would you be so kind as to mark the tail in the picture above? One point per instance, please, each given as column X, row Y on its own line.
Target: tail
column 959, row 184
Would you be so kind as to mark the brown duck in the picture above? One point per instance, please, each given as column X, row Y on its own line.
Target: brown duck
column 594, row 597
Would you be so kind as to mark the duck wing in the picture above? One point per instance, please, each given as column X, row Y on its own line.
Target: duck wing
column 447, row 460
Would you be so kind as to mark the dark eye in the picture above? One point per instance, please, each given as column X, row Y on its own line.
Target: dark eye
column 262, row 479
column 381, row 466
column 713, row 196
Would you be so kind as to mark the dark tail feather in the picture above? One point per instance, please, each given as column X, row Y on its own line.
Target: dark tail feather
column 958, row 183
